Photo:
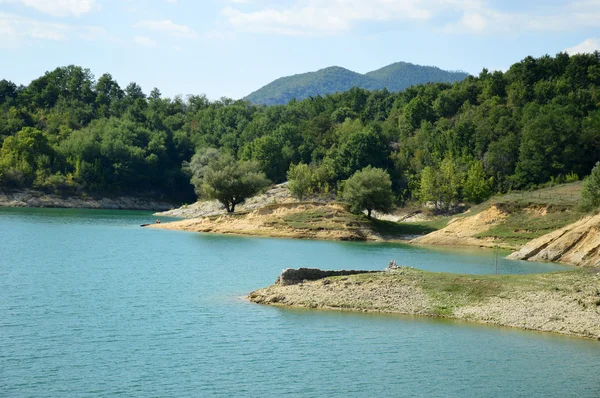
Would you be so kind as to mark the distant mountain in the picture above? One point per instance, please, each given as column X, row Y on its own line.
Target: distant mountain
column 394, row 77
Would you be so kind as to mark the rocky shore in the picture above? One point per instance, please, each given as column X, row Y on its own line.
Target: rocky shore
column 33, row 198
column 563, row 302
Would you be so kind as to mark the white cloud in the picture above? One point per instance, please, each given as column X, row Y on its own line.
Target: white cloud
column 16, row 30
column 327, row 17
column 144, row 41
column 587, row 46
column 168, row 27
column 61, row 8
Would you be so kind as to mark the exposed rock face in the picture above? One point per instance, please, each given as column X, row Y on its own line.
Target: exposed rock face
column 278, row 194
column 462, row 231
column 291, row 276
column 576, row 244
column 33, row 198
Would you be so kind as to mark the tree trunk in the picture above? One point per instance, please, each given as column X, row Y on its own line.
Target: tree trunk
column 369, row 214
column 232, row 207
column 229, row 208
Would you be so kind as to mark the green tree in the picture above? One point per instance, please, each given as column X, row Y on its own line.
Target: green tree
column 477, row 187
column 300, row 180
column 198, row 166
column 590, row 195
column 441, row 184
column 369, row 189
column 429, row 188
column 231, row 182
column 449, row 182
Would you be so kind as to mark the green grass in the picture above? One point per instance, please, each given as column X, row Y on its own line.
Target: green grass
column 556, row 198
column 327, row 219
column 520, row 228
column 391, row 228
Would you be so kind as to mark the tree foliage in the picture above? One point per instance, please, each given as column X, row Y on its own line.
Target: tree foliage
column 477, row 187
column 369, row 189
column 590, row 195
column 536, row 122
column 231, row 182
column 301, row 180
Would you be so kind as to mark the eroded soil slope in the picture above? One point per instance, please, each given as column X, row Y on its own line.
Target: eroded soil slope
column 576, row 244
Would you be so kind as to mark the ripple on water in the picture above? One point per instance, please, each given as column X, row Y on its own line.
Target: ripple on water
column 92, row 305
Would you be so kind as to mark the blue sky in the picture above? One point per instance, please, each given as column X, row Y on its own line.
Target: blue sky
column 233, row 47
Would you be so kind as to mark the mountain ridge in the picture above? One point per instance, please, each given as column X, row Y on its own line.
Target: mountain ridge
column 395, row 77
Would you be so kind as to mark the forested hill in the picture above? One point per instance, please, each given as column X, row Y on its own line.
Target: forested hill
column 537, row 123
column 394, row 77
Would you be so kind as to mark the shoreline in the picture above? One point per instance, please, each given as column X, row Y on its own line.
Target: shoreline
column 305, row 220
column 29, row 198
column 564, row 302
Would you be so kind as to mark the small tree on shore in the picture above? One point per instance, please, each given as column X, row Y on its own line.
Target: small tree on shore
column 477, row 187
column 590, row 195
column 300, row 180
column 369, row 189
column 231, row 182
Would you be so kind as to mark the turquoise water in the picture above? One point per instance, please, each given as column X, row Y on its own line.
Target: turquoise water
column 92, row 305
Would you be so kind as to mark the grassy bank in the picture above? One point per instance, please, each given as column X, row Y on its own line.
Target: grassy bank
column 563, row 302
column 511, row 220
column 532, row 214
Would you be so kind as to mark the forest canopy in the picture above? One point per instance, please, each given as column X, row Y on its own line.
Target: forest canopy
column 538, row 122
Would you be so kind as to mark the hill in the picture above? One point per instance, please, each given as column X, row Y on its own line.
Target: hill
column 394, row 77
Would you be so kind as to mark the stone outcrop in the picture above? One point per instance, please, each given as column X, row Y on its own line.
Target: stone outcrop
column 291, row 276
column 277, row 194
column 576, row 244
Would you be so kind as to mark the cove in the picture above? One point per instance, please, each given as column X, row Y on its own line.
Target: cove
column 93, row 305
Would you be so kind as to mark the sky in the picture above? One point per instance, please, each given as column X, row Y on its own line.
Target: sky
column 230, row 48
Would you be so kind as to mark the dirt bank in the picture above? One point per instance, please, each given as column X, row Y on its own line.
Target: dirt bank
column 33, row 198
column 563, row 302
column 576, row 244
column 462, row 231
column 290, row 220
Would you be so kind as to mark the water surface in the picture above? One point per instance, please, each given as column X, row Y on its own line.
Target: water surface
column 93, row 305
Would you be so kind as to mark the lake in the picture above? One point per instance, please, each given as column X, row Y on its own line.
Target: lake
column 92, row 305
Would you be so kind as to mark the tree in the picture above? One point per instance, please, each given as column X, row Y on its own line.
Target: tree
column 369, row 189
column 300, row 180
column 231, row 182
column 590, row 195
column 449, row 182
column 477, row 187
column 429, row 188
column 198, row 166
column 366, row 147
column 441, row 185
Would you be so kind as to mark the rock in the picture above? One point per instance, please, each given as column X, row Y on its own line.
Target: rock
column 291, row 276
column 575, row 244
